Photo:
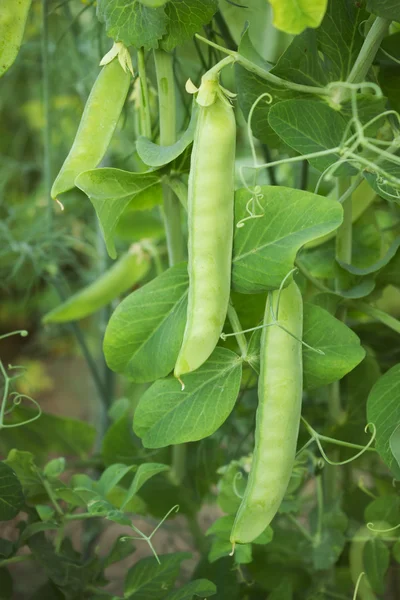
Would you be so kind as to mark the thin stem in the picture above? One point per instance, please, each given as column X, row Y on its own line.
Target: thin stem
column 46, row 110
column 145, row 99
column 344, row 233
column 253, row 68
column 378, row 314
column 52, row 497
column 167, row 110
column 237, row 329
column 15, row 559
column 320, row 509
column 5, row 393
column 178, row 463
column 300, row 527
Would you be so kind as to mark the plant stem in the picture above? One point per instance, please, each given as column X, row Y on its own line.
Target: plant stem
column 237, row 330
column 344, row 233
column 320, row 509
column 379, row 315
column 15, row 559
column 172, row 208
column 260, row 72
column 46, row 111
column 144, row 91
column 368, row 51
column 300, row 527
column 167, row 110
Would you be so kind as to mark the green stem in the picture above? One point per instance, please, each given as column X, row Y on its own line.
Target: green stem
column 46, row 111
column 379, row 315
column 260, row 72
column 237, row 330
column 15, row 559
column 167, row 110
column 344, row 233
column 5, row 393
column 145, row 99
column 320, row 509
column 300, row 527
column 368, row 51
column 52, row 497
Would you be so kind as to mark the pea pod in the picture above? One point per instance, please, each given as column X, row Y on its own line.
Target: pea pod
column 278, row 416
column 99, row 120
column 210, row 216
column 127, row 271
column 13, row 16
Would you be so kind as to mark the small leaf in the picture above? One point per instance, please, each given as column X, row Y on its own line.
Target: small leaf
column 145, row 332
column 111, row 477
column 121, row 548
column 23, row 464
column 145, row 472
column 265, row 248
column 54, row 468
column 154, row 155
column 293, row 16
column 119, row 443
column 328, row 550
column 201, row 588
column 382, row 262
column 185, row 18
column 11, row 495
column 111, row 191
column 383, row 409
column 149, row 580
column 376, row 558
column 167, row 415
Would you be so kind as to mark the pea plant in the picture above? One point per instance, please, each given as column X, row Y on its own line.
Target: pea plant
column 230, row 190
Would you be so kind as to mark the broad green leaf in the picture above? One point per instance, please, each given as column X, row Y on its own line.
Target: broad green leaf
column 388, row 9
column 265, row 248
column 133, row 23
column 11, row 495
column 382, row 262
column 322, row 331
column 383, row 409
column 154, row 155
column 309, row 126
column 111, row 477
column 168, row 415
column 383, row 186
column 341, row 347
column 293, row 16
column 185, row 18
column 122, row 276
column 145, row 472
column 326, row 552
column 145, row 332
column 137, row 225
column 111, row 191
column 376, row 559
column 219, row 548
column 395, row 444
column 201, row 588
column 148, row 580
column 12, row 27
column 223, row 574
column 23, row 464
column 49, row 433
column 119, row 498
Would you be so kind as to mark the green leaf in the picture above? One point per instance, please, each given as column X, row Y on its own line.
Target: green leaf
column 122, row 548
column 154, row 3
column 383, row 409
column 54, row 468
column 144, row 334
column 200, row 587
column 341, row 347
column 265, row 248
column 293, row 16
column 394, row 442
column 154, row 155
column 145, row 472
column 376, row 559
column 382, row 185
column 132, row 22
column 111, row 477
column 309, row 126
column 232, row 485
column 185, row 17
column 328, row 549
column 111, row 191
column 383, row 509
column 119, row 443
column 168, row 415
column 11, row 495
column 49, row 433
column 23, row 463
column 37, row 527
column 388, row 9
column 219, row 548
column 149, row 580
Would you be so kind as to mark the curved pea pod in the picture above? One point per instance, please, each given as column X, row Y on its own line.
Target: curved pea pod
column 99, row 120
column 128, row 270
column 210, row 223
column 278, row 416
column 13, row 16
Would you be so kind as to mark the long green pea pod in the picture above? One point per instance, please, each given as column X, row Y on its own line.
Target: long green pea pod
column 127, row 271
column 210, row 216
column 280, row 388
column 13, row 16
column 99, row 120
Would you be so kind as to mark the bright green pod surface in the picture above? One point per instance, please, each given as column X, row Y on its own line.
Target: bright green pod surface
column 278, row 416
column 210, row 214
column 13, row 16
column 99, row 120
column 127, row 271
